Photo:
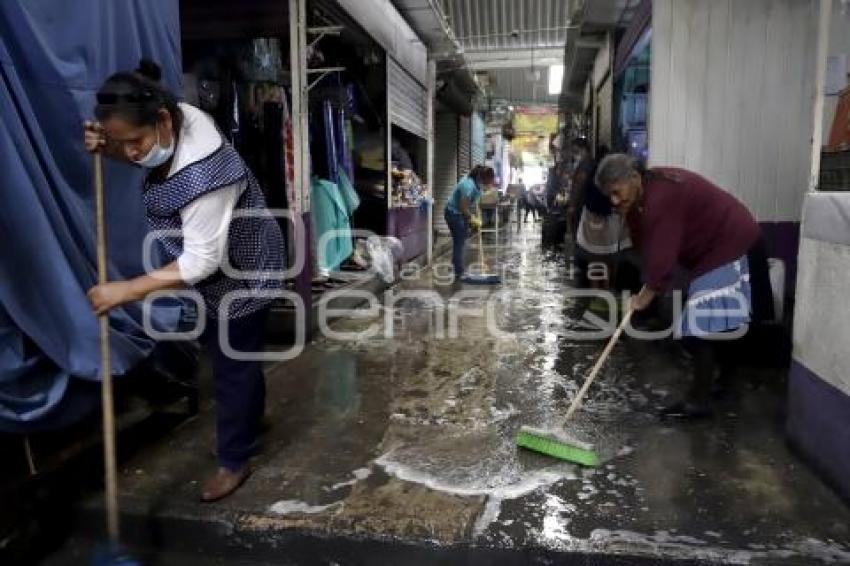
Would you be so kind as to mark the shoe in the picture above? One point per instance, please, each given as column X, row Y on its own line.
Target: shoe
column 687, row 410
column 223, row 483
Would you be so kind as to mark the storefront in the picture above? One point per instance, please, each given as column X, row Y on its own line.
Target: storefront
column 333, row 118
column 631, row 78
column 395, row 188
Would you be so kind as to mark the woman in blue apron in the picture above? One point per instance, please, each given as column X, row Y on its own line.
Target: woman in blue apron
column 459, row 209
column 684, row 221
column 200, row 191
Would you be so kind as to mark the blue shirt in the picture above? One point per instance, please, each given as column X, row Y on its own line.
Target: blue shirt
column 465, row 188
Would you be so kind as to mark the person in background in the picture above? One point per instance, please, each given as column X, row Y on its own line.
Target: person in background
column 195, row 184
column 522, row 200
column 488, row 204
column 557, row 183
column 684, row 220
column 459, row 209
column 582, row 171
column 534, row 196
column 602, row 233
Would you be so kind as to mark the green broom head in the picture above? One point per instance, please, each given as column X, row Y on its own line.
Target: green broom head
column 558, row 445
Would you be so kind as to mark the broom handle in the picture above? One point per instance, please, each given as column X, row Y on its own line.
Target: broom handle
column 481, row 251
column 107, row 406
column 602, row 357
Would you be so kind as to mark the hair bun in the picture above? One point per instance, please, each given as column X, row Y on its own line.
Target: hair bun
column 149, row 69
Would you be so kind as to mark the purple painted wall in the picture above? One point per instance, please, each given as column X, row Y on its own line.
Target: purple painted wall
column 410, row 225
column 303, row 280
column 819, row 425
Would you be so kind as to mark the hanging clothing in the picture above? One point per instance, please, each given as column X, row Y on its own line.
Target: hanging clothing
column 332, row 222
column 254, row 243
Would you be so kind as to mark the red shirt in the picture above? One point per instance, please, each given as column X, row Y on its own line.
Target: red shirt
column 692, row 223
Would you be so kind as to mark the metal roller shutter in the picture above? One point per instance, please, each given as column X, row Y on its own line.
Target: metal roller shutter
column 478, row 151
column 445, row 165
column 464, row 146
column 408, row 100
column 603, row 126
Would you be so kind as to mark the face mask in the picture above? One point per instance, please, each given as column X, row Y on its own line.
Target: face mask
column 157, row 155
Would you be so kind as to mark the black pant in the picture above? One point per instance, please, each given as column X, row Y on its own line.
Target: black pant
column 240, row 386
column 716, row 357
column 459, row 228
column 762, row 293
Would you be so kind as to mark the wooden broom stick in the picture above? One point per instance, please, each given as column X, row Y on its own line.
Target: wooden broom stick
column 110, row 463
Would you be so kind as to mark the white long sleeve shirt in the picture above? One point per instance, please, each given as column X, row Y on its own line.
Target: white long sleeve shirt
column 206, row 220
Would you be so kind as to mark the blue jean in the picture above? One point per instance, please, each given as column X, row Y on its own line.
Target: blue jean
column 459, row 229
column 240, row 387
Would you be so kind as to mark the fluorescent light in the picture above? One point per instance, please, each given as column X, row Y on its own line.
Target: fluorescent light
column 556, row 78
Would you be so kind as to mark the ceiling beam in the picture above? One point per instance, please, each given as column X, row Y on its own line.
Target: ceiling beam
column 510, row 59
column 513, row 58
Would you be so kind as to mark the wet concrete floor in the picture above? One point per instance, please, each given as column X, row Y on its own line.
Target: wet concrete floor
column 398, row 438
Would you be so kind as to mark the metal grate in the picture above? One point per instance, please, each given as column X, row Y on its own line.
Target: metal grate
column 483, row 25
column 478, row 153
column 835, row 171
column 408, row 100
column 445, row 165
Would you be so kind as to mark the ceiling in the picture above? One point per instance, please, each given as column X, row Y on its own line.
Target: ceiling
column 485, row 25
column 506, row 39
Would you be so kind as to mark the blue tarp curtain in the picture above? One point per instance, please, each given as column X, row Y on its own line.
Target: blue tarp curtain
column 53, row 57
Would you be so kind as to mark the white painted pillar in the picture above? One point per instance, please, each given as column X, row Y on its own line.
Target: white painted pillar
column 300, row 127
column 432, row 93
column 820, row 89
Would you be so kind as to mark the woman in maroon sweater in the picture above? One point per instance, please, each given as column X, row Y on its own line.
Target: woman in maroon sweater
column 683, row 221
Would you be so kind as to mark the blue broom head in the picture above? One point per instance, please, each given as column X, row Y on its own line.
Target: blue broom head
column 482, row 279
column 111, row 555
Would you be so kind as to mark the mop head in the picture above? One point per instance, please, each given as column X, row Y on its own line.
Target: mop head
column 109, row 555
column 558, row 445
column 482, row 279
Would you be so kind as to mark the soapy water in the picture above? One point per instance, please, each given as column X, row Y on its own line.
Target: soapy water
column 359, row 474
column 671, row 545
column 294, row 507
column 482, row 465
column 476, row 458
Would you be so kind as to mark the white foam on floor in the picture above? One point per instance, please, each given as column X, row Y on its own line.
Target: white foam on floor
column 510, row 482
column 291, row 507
column 509, row 486
column 359, row 475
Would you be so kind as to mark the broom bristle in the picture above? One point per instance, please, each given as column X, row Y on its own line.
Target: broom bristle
column 559, row 445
